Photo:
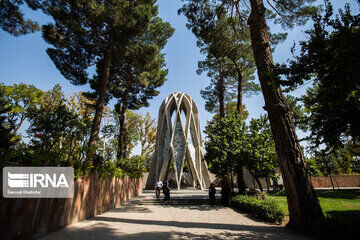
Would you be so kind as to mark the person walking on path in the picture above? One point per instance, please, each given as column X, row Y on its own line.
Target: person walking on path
column 166, row 190
column 212, row 192
column 158, row 186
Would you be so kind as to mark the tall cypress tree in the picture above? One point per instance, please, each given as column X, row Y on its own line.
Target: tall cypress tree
column 97, row 32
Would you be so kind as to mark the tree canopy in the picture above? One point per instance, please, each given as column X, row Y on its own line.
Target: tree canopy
column 96, row 33
column 12, row 18
column 330, row 58
column 303, row 204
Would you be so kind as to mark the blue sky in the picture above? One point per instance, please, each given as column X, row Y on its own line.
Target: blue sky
column 23, row 59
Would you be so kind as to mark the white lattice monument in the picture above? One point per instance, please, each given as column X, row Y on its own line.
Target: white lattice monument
column 178, row 141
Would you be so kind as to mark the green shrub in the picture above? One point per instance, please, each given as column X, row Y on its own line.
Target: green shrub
column 133, row 166
column 109, row 170
column 266, row 209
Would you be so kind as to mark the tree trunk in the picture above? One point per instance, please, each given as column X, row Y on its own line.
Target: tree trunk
column 104, row 147
column 102, row 90
column 240, row 181
column 337, row 184
column 304, row 207
column 221, row 92
column 19, row 125
column 239, row 89
column 239, row 96
column 257, row 181
column 332, row 183
column 122, row 133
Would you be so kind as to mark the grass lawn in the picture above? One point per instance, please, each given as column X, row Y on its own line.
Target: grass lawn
column 342, row 211
column 344, row 200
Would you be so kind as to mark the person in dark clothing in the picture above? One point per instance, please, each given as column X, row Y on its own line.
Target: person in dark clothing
column 166, row 190
column 212, row 192
column 197, row 185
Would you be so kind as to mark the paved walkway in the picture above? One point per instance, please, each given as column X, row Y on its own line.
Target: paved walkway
column 141, row 219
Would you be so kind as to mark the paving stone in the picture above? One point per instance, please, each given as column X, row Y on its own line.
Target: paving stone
column 136, row 220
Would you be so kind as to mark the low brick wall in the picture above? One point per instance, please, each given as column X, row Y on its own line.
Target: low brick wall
column 29, row 218
column 339, row 181
column 318, row 182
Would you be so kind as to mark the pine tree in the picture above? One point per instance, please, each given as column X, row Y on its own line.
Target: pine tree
column 136, row 76
column 88, row 33
column 12, row 19
column 229, row 61
column 304, row 207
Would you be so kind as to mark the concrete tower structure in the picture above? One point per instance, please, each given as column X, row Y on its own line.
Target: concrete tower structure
column 178, row 140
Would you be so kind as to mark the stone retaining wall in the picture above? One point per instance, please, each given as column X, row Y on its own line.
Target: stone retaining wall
column 29, row 218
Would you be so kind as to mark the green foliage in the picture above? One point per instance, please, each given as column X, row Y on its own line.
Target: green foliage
column 224, row 146
column 20, row 99
column 110, row 169
column 147, row 138
column 135, row 76
column 230, row 109
column 82, row 169
column 59, row 130
column 122, row 39
column 139, row 129
column 232, row 145
column 266, row 209
column 340, row 160
column 133, row 166
column 257, row 14
column 12, row 19
column 298, row 113
column 313, row 168
column 104, row 25
column 229, row 62
column 290, row 13
column 5, row 130
column 132, row 129
column 57, row 134
column 287, row 13
column 262, row 153
column 330, row 58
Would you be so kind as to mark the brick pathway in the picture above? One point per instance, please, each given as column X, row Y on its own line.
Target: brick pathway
column 141, row 219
